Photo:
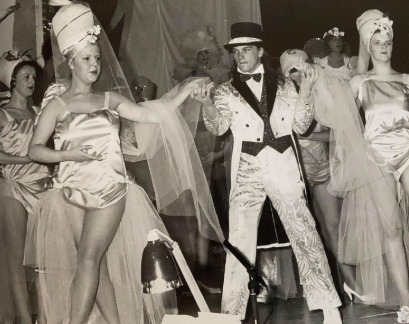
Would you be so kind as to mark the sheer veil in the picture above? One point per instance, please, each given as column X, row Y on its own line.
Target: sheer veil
column 178, row 178
column 368, row 191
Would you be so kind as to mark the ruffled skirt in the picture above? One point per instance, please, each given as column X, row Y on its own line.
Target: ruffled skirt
column 365, row 225
column 55, row 257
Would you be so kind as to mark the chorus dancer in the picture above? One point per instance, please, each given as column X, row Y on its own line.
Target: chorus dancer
column 381, row 257
column 21, row 183
column 92, row 226
column 262, row 114
column 337, row 62
column 203, row 58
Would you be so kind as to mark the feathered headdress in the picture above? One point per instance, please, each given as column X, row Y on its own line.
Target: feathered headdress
column 200, row 39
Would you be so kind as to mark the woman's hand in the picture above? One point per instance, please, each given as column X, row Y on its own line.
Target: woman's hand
column 396, row 125
column 80, row 154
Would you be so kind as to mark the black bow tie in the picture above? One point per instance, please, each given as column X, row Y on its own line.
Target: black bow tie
column 245, row 77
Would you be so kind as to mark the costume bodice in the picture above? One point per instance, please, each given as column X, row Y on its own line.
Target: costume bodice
column 93, row 183
column 27, row 180
column 383, row 101
column 344, row 71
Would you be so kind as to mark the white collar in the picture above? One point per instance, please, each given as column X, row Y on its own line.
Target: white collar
column 260, row 69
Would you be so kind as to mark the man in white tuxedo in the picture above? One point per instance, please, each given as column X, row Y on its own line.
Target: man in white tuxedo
column 262, row 112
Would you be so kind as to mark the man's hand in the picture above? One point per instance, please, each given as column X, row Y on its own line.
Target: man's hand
column 309, row 76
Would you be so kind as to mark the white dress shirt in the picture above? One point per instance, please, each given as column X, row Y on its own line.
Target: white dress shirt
column 255, row 87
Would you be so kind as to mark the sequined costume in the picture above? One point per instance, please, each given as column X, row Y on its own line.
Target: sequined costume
column 268, row 168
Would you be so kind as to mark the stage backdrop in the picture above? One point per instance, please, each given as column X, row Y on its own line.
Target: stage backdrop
column 6, row 27
column 153, row 29
column 27, row 33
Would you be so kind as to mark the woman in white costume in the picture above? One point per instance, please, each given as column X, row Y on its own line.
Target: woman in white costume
column 21, row 183
column 382, row 93
column 91, row 228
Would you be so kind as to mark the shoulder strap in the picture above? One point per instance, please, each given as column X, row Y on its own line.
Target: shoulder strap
column 36, row 109
column 62, row 103
column 360, row 95
column 106, row 102
column 8, row 116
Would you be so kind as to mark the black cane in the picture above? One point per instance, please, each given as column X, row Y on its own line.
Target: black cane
column 255, row 279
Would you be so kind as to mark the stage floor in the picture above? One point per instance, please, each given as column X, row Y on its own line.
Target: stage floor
column 295, row 311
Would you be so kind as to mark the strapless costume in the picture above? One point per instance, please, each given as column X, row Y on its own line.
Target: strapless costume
column 314, row 154
column 315, row 158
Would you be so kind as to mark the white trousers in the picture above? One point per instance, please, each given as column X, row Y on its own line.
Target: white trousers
column 276, row 175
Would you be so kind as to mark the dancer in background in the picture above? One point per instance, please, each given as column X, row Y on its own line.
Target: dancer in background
column 21, row 183
column 5, row 95
column 89, row 239
column 262, row 114
column 203, row 58
column 337, row 62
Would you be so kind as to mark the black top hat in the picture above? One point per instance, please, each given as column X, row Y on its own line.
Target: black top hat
column 245, row 33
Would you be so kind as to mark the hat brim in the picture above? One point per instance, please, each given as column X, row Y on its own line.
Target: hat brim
column 229, row 47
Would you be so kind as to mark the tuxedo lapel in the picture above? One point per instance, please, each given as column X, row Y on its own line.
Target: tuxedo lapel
column 271, row 81
column 245, row 92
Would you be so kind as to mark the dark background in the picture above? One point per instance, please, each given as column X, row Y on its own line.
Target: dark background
column 291, row 23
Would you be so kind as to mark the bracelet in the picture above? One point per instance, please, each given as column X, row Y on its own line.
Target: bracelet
column 140, row 88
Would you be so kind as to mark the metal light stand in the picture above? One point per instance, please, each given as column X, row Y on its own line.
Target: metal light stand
column 255, row 281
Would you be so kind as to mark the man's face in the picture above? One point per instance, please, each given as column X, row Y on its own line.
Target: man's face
column 247, row 57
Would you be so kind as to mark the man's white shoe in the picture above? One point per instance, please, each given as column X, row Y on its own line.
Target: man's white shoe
column 332, row 316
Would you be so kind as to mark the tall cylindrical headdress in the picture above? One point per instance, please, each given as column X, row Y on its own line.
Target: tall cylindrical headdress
column 367, row 24
column 74, row 28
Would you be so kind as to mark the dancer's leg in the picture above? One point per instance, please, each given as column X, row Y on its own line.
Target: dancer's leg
column 397, row 258
column 329, row 215
column 15, row 222
column 98, row 230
